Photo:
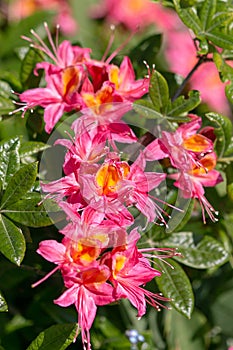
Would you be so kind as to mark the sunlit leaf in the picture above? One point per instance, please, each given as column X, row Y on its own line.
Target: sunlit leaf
column 19, row 184
column 175, row 285
column 181, row 105
column 12, row 242
column 6, row 105
column 207, row 11
column 3, row 304
column 223, row 131
column 220, row 39
column 31, row 212
column 158, row 91
column 204, row 254
column 31, row 147
column 28, row 78
column 9, row 159
column 57, row 337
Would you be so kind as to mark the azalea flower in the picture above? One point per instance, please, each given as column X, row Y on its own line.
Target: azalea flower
column 192, row 154
column 192, row 183
column 59, row 96
column 129, row 272
column 115, row 185
column 134, row 14
column 18, row 9
column 205, row 79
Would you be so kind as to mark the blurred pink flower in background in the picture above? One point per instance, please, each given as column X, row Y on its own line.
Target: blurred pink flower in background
column 19, row 9
column 205, row 79
column 134, row 14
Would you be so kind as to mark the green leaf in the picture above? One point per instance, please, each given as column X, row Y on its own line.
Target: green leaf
column 159, row 92
column 207, row 12
column 220, row 19
column 31, row 147
column 229, row 176
column 12, row 242
column 3, row 304
column 229, row 92
column 175, row 285
column 6, row 105
column 220, row 39
column 30, row 212
column 223, row 131
column 27, row 76
column 183, row 335
column 189, row 17
column 9, row 159
column 181, row 105
column 12, row 79
column 179, row 219
column 205, row 254
column 5, row 89
column 146, row 112
column 19, row 184
column 57, row 337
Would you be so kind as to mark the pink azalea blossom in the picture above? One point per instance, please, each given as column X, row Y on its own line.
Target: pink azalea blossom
column 115, row 185
column 192, row 182
column 134, row 14
column 59, row 96
column 129, row 272
column 88, row 146
column 89, row 289
column 192, row 154
column 19, row 9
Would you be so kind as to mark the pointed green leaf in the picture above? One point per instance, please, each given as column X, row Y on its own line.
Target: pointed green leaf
column 12, row 242
column 28, row 78
column 205, row 254
column 159, row 92
column 9, row 159
column 3, row 304
column 229, row 92
column 181, row 105
column 146, row 112
column 6, row 105
column 175, row 285
column 179, row 219
column 5, row 89
column 183, row 335
column 223, row 131
column 189, row 17
column 19, row 184
column 31, row 147
column 207, row 12
column 220, row 19
column 220, row 39
column 31, row 212
column 57, row 337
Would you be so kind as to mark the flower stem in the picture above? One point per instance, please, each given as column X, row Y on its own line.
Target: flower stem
column 201, row 60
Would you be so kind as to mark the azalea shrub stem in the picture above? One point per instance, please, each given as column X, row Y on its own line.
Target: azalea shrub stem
column 201, row 60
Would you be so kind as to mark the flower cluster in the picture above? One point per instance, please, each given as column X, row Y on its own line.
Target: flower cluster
column 191, row 153
column 75, row 81
column 98, row 257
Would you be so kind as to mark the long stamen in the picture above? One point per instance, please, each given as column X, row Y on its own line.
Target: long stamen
column 45, row 277
column 50, row 39
column 111, row 40
column 115, row 53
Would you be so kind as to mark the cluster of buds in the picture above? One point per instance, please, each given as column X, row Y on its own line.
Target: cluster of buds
column 98, row 256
